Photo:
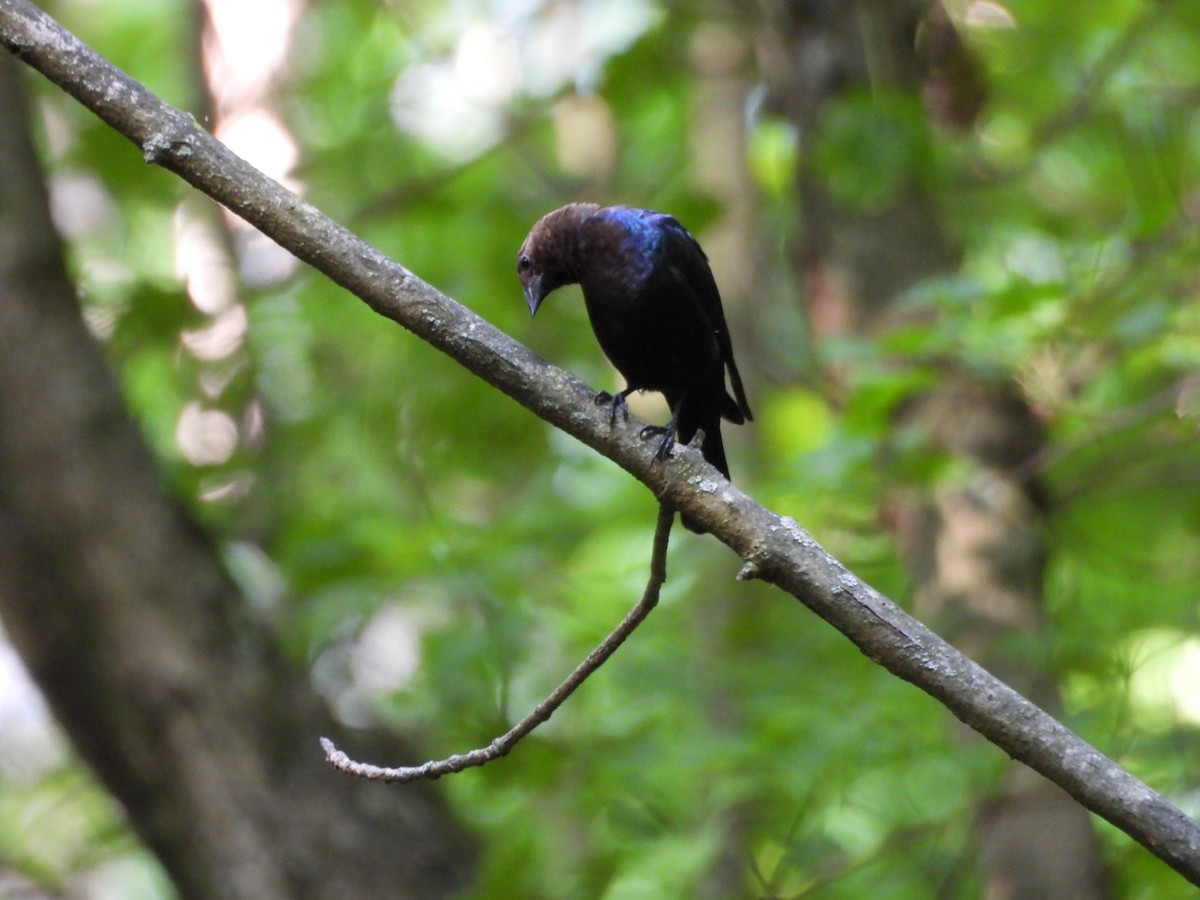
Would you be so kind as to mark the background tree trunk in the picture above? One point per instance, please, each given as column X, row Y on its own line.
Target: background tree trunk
column 171, row 690
column 973, row 541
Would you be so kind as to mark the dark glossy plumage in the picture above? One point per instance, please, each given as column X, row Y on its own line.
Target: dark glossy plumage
column 653, row 305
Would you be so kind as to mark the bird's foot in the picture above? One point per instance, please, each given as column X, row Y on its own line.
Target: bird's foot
column 616, row 405
column 668, row 438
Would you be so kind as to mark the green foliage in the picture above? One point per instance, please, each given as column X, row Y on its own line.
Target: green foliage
column 381, row 478
column 58, row 825
column 871, row 148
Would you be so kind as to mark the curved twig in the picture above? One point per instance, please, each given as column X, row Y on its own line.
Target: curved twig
column 502, row 745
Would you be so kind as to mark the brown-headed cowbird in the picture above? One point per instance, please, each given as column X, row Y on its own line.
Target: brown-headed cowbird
column 655, row 309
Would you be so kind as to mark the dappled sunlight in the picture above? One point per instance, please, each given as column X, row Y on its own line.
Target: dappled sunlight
column 261, row 138
column 245, row 50
column 1164, row 678
column 30, row 742
column 206, row 437
column 220, row 338
column 387, row 651
column 459, row 102
column 987, row 14
column 202, row 263
column 247, row 47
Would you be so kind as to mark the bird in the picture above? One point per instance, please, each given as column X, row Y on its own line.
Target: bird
column 656, row 312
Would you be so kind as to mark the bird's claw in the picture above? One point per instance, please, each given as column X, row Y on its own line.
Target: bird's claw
column 668, row 439
column 616, row 404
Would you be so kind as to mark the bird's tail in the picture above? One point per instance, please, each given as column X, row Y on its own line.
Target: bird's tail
column 712, row 448
column 732, row 410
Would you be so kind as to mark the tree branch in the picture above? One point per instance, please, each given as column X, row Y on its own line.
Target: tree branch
column 773, row 548
column 504, row 744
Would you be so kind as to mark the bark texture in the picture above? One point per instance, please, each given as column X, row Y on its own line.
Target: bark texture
column 171, row 690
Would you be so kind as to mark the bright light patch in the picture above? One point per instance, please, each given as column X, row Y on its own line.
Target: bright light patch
column 568, row 43
column 1165, row 677
column 986, row 14
column 458, row 104
column 485, row 64
column 80, row 205
column 201, row 262
column 221, row 338
column 251, row 45
column 1035, row 258
column 30, row 744
column 387, row 652
column 205, row 437
column 1185, row 681
column 258, row 137
column 428, row 101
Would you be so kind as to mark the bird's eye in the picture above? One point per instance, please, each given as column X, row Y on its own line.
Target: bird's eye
column 524, row 263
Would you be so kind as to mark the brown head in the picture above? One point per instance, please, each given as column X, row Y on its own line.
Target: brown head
column 548, row 258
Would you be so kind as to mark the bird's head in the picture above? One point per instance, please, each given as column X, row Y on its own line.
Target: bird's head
column 537, row 278
column 549, row 257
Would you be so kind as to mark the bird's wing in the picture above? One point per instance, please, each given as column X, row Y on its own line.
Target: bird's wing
column 685, row 255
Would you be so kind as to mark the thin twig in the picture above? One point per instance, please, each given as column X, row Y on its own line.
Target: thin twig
column 502, row 745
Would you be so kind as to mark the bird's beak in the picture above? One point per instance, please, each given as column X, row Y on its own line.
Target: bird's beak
column 534, row 295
